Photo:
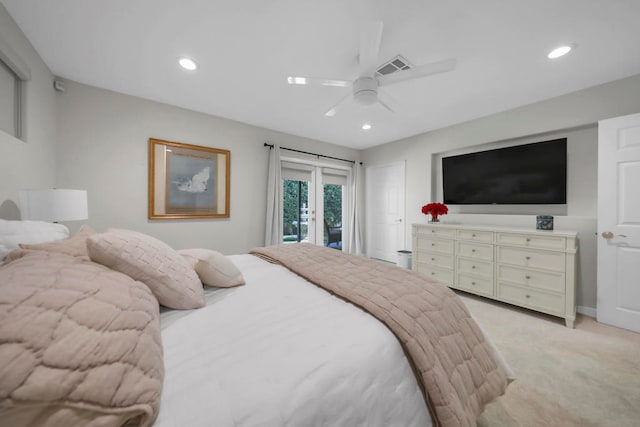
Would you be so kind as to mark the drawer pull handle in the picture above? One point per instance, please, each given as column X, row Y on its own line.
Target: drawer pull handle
column 528, row 240
column 473, row 283
column 433, row 231
column 433, row 244
column 528, row 296
column 527, row 277
column 473, row 266
column 473, row 235
column 433, row 259
column 433, row 273
column 473, row 250
column 528, row 257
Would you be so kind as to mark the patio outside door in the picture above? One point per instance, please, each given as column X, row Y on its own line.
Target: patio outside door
column 314, row 204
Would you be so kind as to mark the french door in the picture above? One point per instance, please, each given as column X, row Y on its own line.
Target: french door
column 314, row 204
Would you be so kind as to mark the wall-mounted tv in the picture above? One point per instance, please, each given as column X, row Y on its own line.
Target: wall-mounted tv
column 523, row 174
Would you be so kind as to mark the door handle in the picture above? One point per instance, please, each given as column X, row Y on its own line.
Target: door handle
column 609, row 235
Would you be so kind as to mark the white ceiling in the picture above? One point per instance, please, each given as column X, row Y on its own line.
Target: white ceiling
column 246, row 49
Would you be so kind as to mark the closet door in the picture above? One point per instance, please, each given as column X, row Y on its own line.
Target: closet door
column 619, row 222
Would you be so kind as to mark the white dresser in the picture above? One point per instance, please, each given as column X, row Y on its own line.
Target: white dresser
column 525, row 267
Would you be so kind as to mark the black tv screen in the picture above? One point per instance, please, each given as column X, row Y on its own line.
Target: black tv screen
column 524, row 174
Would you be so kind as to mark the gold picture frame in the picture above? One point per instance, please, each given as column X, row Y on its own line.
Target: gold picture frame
column 188, row 181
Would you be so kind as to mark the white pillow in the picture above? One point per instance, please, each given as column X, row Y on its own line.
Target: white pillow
column 213, row 268
column 12, row 233
column 146, row 259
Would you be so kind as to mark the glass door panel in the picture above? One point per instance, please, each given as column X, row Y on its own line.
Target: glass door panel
column 295, row 213
column 332, row 215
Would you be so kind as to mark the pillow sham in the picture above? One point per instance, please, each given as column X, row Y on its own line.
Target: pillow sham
column 12, row 233
column 141, row 257
column 74, row 246
column 213, row 268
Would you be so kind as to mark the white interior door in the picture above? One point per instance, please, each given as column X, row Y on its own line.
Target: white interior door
column 619, row 222
column 385, row 213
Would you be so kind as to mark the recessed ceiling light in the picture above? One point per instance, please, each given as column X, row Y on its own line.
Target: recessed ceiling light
column 366, row 126
column 560, row 51
column 187, row 63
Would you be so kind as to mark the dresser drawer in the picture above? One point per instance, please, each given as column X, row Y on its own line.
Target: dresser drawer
column 533, row 258
column 531, row 240
column 479, row 236
column 439, row 260
column 475, row 267
column 478, row 285
column 441, row 275
column 532, row 278
column 435, row 245
column 447, row 233
column 527, row 297
column 475, row 250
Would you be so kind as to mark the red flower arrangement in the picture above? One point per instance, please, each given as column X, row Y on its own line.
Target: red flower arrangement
column 435, row 209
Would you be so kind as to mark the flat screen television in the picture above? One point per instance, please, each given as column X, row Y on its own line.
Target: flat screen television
column 524, row 175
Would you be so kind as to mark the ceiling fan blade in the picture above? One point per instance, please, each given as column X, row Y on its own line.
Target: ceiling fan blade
column 370, row 38
column 385, row 105
column 387, row 101
column 317, row 81
column 333, row 110
column 418, row 72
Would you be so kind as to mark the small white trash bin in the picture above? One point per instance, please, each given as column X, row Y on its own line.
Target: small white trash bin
column 404, row 259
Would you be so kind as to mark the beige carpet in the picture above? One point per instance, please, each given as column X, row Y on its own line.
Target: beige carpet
column 587, row 376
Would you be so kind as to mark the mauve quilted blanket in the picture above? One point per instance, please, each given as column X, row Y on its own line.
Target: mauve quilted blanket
column 79, row 344
column 453, row 362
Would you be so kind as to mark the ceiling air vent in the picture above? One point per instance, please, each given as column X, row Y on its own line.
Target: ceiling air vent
column 396, row 64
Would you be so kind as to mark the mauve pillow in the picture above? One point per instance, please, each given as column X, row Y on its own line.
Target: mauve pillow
column 141, row 257
column 213, row 268
column 74, row 246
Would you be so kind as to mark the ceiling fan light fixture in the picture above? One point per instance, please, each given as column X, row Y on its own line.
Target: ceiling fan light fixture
column 187, row 63
column 365, row 91
column 560, row 51
column 366, row 126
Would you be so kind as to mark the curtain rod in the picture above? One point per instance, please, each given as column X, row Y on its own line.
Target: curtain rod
column 312, row 154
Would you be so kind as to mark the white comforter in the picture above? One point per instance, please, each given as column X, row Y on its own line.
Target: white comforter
column 281, row 352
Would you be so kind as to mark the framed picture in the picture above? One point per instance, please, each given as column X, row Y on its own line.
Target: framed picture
column 187, row 181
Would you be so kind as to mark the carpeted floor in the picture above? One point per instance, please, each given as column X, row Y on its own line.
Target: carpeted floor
column 588, row 376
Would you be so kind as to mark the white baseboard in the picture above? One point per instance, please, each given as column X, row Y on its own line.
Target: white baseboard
column 587, row 311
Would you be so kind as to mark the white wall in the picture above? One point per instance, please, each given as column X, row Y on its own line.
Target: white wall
column 102, row 145
column 27, row 163
column 575, row 114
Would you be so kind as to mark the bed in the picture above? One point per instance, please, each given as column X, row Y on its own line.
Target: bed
column 266, row 347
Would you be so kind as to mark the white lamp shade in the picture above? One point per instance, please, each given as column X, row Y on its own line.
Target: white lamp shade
column 54, row 205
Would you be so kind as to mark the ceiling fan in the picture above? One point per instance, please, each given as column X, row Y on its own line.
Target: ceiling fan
column 365, row 87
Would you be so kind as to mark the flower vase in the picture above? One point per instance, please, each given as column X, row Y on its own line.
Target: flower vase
column 434, row 218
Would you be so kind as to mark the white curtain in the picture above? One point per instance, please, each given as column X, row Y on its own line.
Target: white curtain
column 273, row 228
column 354, row 245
